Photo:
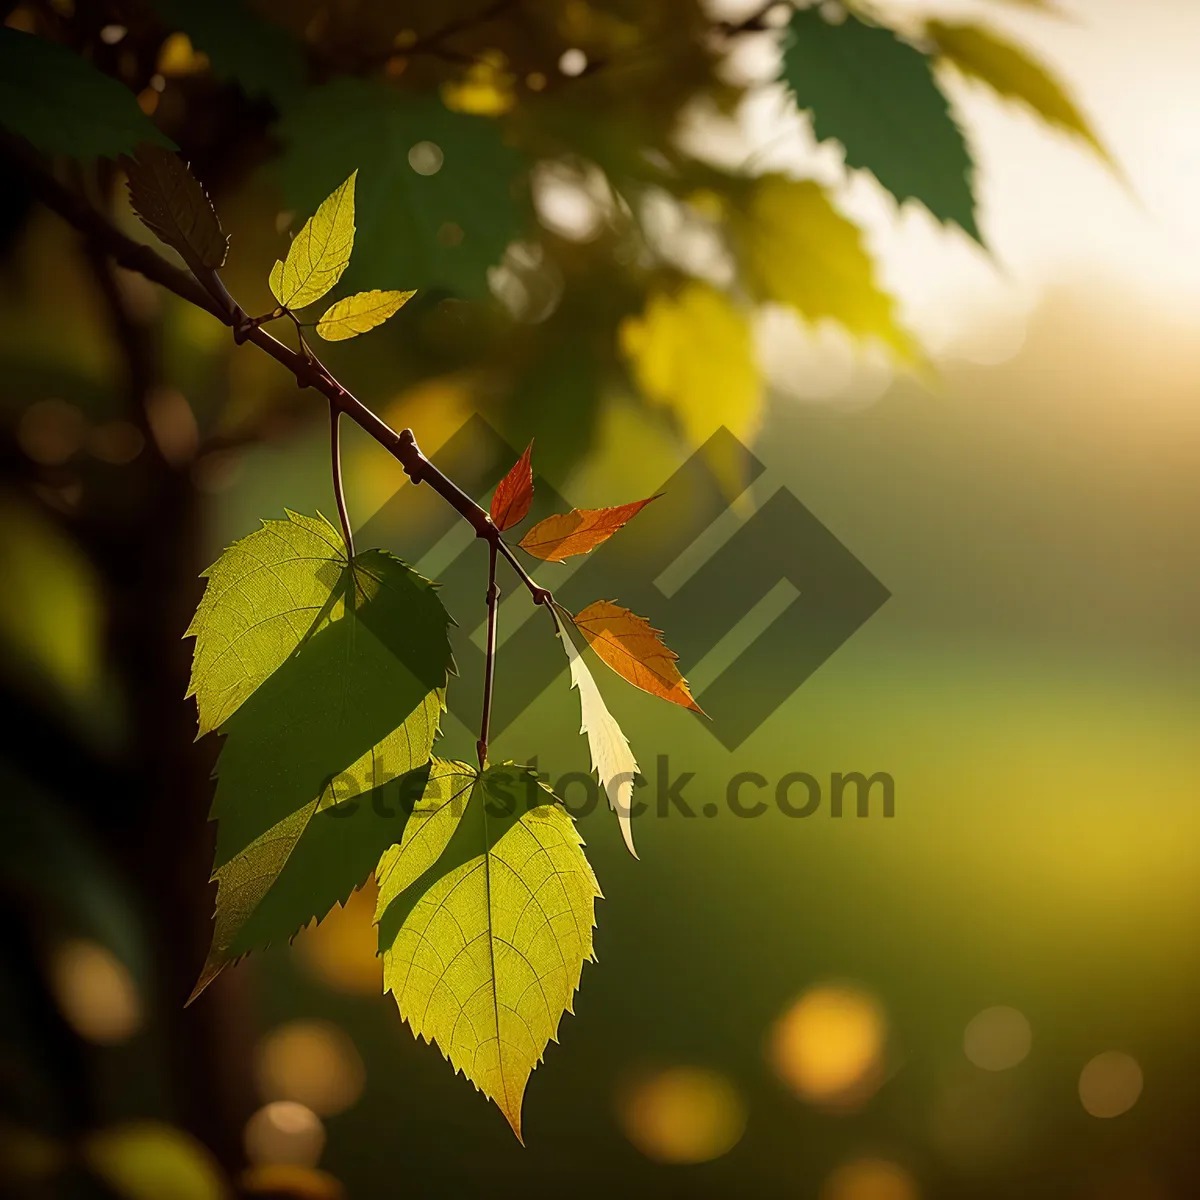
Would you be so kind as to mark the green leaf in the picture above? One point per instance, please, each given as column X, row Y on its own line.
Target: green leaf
column 360, row 312
column 981, row 54
column 264, row 59
column 63, row 105
column 264, row 595
column 304, row 865
column 435, row 816
column 307, row 795
column 174, row 206
column 440, row 230
column 797, row 249
column 877, row 96
column 319, row 253
column 488, row 957
column 334, row 719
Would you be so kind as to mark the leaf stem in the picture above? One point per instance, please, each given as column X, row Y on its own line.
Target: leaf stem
column 339, row 494
column 489, row 669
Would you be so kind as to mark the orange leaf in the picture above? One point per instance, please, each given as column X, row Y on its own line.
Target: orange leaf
column 513, row 494
column 635, row 650
column 577, row 532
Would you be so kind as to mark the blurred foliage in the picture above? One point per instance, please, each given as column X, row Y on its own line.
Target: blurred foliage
column 523, row 156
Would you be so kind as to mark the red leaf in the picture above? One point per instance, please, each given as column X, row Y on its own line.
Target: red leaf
column 514, row 494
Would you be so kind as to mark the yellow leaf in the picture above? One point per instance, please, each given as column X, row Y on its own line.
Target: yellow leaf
column 360, row 312
column 635, row 650
column 799, row 250
column 692, row 351
column 1010, row 72
column 488, row 959
column 319, row 253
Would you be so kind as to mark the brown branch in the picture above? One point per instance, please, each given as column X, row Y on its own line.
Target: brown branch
column 210, row 294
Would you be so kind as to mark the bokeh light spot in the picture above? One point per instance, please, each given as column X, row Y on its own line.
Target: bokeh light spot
column 149, row 1160
column 828, row 1047
column 284, row 1132
column 426, row 158
column 298, row 1183
column 573, row 62
column 683, row 1115
column 869, row 1179
column 997, row 1038
column 95, row 992
column 312, row 1062
column 51, row 431
column 1110, row 1084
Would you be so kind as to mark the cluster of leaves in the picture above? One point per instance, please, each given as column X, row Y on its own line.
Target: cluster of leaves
column 477, row 89
column 326, row 673
column 325, row 670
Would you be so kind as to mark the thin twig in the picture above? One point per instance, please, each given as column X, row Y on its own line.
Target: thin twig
column 489, row 669
column 339, row 494
column 211, row 295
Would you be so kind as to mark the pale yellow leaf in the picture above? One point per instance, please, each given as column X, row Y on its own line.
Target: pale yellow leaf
column 799, row 250
column 360, row 312
column 612, row 760
column 319, row 253
column 489, row 958
column 1009, row 70
column 692, row 352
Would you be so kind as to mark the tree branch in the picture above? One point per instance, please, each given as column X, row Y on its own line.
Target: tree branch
column 211, row 295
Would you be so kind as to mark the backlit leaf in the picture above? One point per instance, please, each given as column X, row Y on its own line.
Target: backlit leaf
column 64, row 105
column 797, row 249
column 489, row 956
column 319, row 253
column 441, row 195
column 316, row 773
column 692, row 351
column 318, row 726
column 635, row 650
column 579, row 531
column 876, row 94
column 360, row 312
column 612, row 760
column 264, row 595
column 435, row 816
column 1006, row 68
column 172, row 204
column 514, row 493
